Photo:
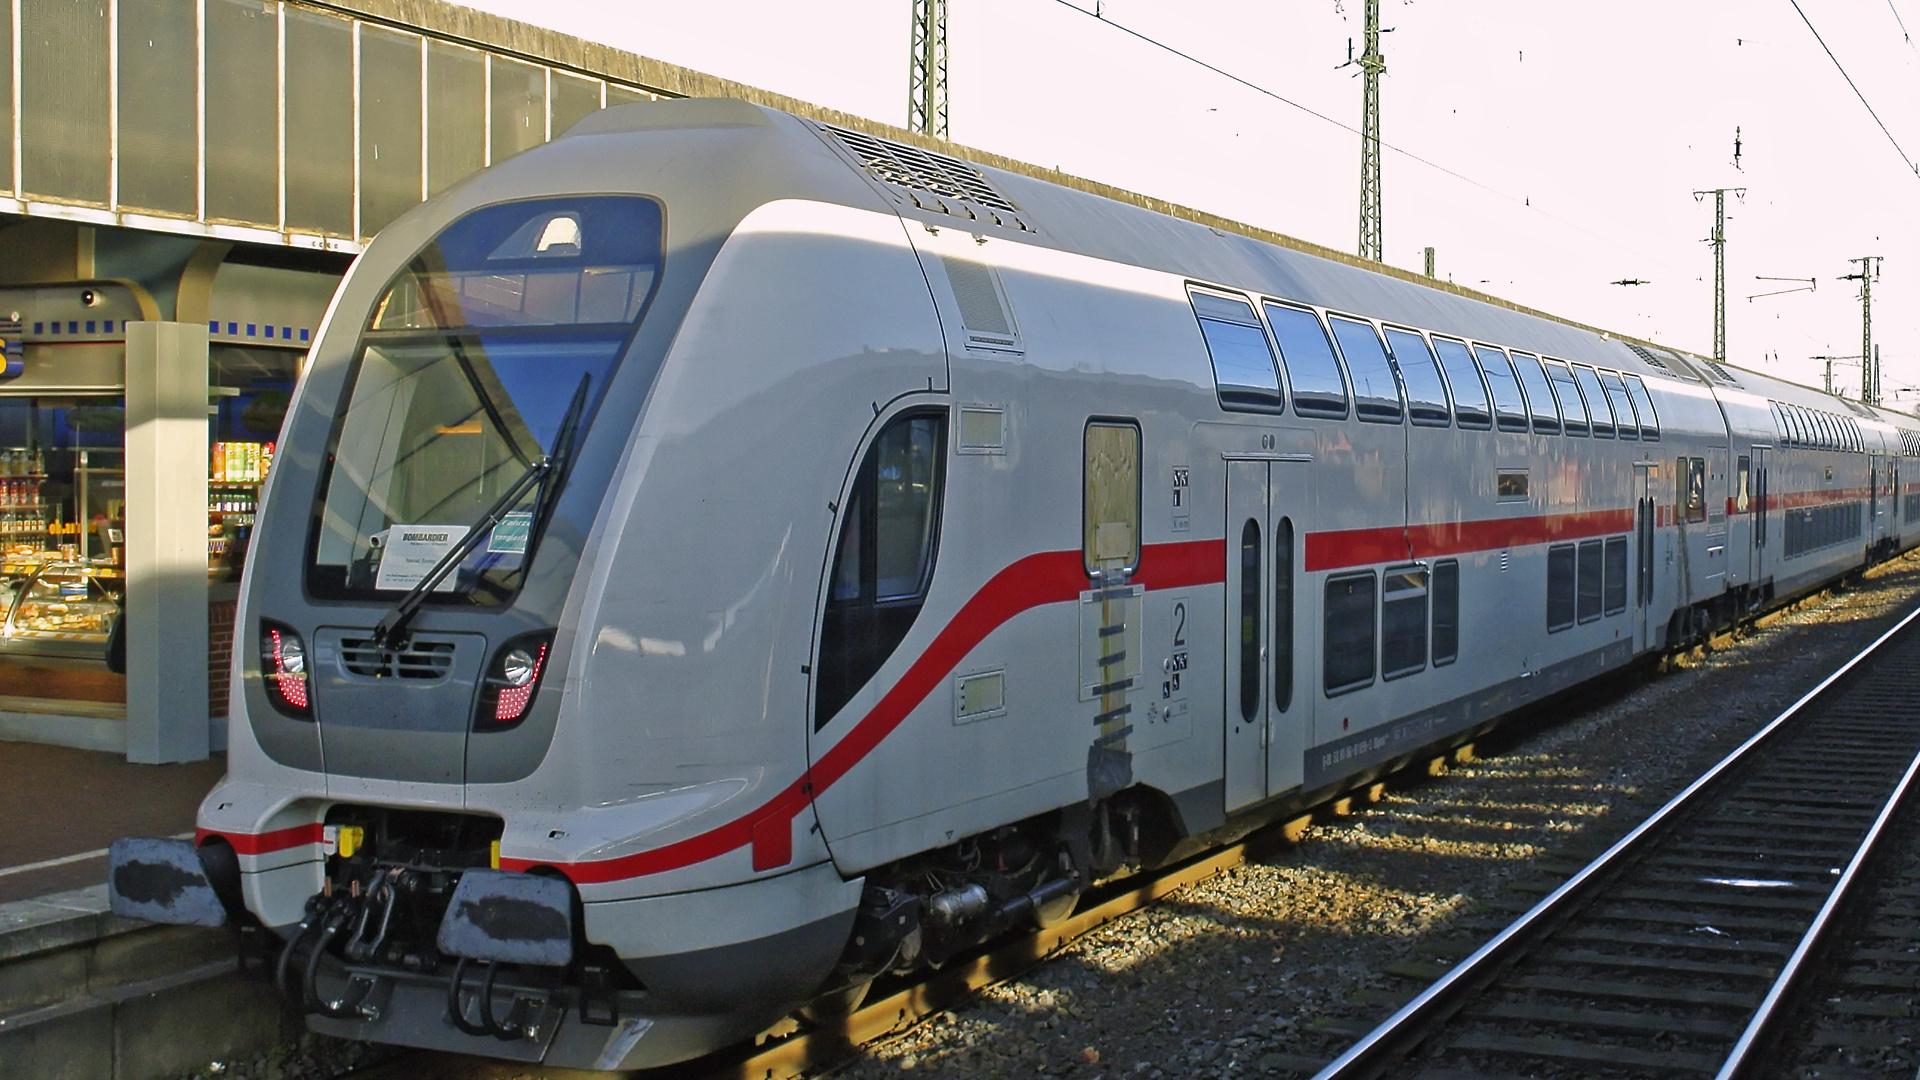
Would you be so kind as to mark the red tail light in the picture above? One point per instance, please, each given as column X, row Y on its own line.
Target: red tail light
column 512, row 678
column 283, row 667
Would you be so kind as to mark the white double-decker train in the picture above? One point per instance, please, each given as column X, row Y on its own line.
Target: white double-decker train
column 717, row 557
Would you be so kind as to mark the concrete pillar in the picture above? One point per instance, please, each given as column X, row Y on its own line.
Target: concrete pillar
column 166, row 542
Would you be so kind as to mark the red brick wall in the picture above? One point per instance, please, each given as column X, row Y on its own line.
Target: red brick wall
column 220, row 615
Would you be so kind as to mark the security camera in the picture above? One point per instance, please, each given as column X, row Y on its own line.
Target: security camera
column 89, row 298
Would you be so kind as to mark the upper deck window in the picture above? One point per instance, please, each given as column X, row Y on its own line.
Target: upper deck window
column 1243, row 371
column 478, row 373
column 1376, row 390
column 1470, row 405
column 1426, row 393
column 1546, row 416
column 1312, row 369
column 1596, row 401
column 1508, row 405
column 1643, row 408
column 1623, row 410
column 1572, row 406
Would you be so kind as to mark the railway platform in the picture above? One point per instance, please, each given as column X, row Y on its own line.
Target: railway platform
column 68, row 804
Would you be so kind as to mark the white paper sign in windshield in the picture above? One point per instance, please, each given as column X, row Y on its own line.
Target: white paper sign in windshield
column 412, row 550
column 509, row 537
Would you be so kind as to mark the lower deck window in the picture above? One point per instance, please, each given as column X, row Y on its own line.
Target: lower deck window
column 1445, row 591
column 1591, row 564
column 1561, row 591
column 1403, row 622
column 1616, row 575
column 1348, row 660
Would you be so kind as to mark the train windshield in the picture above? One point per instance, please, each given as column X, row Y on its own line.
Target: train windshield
column 477, row 374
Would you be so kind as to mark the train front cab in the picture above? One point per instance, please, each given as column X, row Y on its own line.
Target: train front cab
column 561, row 379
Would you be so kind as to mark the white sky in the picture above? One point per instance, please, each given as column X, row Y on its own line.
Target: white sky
column 1580, row 132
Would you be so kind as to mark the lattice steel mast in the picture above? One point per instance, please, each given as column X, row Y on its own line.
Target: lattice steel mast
column 1372, row 66
column 1869, row 363
column 1719, row 242
column 927, row 70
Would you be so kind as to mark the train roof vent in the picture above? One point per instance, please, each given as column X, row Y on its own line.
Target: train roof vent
column 1646, row 354
column 1720, row 374
column 1665, row 360
column 933, row 181
column 1858, row 409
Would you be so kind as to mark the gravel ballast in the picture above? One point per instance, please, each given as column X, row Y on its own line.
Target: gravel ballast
column 1274, row 967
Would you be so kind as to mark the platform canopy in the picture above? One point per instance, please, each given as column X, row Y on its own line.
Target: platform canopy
column 267, row 121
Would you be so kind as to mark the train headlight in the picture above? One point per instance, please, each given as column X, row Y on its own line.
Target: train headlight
column 518, row 667
column 512, row 678
column 283, row 666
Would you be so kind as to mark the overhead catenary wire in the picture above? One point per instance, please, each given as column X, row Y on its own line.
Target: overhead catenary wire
column 1523, row 202
column 1911, row 167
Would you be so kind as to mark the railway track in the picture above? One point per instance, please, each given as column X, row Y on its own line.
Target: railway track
column 1687, row 948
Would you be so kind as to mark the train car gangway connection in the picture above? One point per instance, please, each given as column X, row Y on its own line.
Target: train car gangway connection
column 1699, row 941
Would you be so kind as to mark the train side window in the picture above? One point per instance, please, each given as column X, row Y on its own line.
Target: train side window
column 1572, row 406
column 1795, row 431
column 1509, row 408
column 1560, row 587
column 1742, row 479
column 1249, row 620
column 1445, row 591
column 1420, row 372
column 1471, row 408
column 1596, row 401
column 1376, row 389
column 1592, row 564
column 1643, row 407
column 1623, row 411
column 889, row 535
column 1312, row 369
column 1110, row 521
column 1616, row 575
column 1403, row 621
column 1244, row 375
column 1779, row 424
column 1282, row 649
column 1348, row 650
column 1546, row 417
column 1695, row 479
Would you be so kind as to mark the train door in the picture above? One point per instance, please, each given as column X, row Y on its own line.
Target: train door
column 1873, row 498
column 1740, row 568
column 1265, row 726
column 1645, row 473
column 1757, row 550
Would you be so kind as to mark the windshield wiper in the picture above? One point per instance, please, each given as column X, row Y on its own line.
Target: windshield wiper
column 392, row 626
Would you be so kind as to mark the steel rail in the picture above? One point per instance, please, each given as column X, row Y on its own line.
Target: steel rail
column 1412, row 1023
column 1743, row 1055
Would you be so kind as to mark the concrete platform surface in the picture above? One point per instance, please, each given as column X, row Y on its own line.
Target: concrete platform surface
column 60, row 808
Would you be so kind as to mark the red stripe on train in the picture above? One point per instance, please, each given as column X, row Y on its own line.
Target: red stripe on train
column 267, row 842
column 1048, row 578
column 1365, row 547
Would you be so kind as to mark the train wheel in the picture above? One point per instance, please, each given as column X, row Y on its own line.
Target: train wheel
column 836, row 1005
column 1054, row 912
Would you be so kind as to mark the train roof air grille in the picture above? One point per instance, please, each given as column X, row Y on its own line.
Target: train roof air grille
column 1665, row 360
column 933, row 181
column 1646, row 354
column 1720, row 373
column 414, row 660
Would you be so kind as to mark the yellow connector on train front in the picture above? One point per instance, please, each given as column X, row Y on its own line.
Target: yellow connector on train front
column 343, row 840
